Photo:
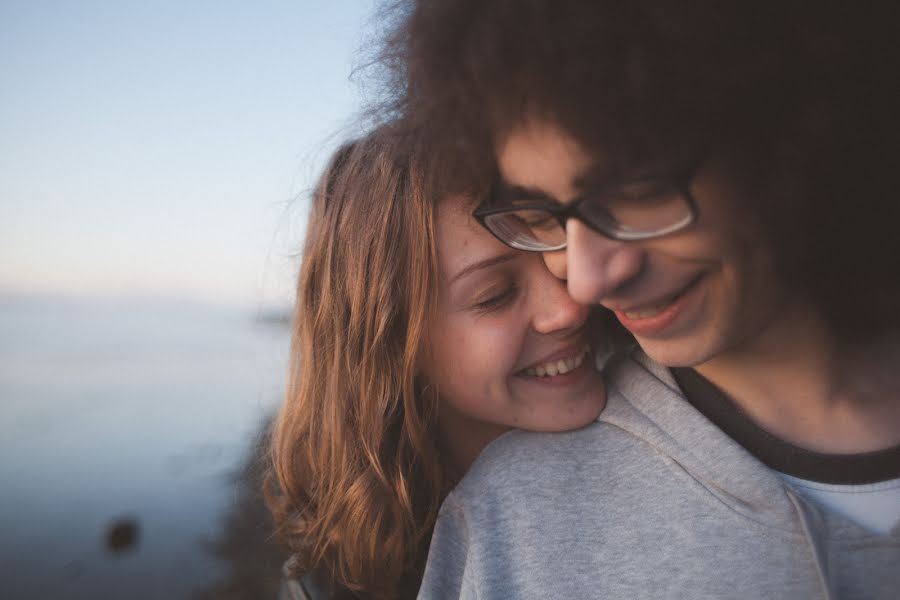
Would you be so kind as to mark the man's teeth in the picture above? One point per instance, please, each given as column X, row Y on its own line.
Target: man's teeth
column 646, row 313
column 559, row 367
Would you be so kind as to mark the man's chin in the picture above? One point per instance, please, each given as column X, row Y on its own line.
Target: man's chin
column 680, row 352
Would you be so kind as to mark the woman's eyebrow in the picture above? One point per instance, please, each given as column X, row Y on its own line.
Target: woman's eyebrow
column 483, row 264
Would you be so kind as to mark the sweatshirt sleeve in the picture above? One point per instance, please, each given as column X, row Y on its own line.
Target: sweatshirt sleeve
column 449, row 572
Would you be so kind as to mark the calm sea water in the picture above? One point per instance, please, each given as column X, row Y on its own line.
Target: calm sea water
column 135, row 412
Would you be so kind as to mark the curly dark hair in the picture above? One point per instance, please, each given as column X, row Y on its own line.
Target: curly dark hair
column 804, row 94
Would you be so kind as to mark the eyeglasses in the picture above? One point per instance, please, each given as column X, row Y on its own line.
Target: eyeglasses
column 633, row 210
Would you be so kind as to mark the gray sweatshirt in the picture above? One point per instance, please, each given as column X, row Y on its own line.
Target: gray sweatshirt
column 652, row 501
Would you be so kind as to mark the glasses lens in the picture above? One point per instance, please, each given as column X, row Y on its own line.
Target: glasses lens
column 533, row 230
column 643, row 209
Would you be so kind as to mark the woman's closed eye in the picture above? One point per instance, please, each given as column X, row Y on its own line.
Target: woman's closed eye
column 497, row 299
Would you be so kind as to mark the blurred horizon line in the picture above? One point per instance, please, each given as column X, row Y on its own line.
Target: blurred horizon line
column 262, row 307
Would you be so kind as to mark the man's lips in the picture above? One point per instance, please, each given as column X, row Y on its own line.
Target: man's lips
column 635, row 310
column 656, row 315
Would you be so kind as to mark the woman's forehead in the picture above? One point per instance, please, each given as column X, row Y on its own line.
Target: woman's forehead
column 454, row 223
column 460, row 239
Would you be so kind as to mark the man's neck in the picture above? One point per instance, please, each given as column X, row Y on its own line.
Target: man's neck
column 787, row 381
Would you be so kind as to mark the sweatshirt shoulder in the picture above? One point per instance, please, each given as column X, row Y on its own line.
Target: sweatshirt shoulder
column 525, row 467
column 525, row 462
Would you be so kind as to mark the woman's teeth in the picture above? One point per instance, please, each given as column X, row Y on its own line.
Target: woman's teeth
column 558, row 367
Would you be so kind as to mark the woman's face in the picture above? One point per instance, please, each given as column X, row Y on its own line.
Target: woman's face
column 507, row 347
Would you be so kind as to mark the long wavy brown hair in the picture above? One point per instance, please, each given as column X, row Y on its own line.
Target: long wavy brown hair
column 355, row 481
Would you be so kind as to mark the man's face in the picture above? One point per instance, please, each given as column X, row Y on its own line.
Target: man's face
column 687, row 297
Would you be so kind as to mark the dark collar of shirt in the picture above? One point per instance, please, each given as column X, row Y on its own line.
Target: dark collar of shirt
column 777, row 454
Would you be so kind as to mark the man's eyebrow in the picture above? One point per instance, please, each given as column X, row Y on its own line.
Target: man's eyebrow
column 598, row 177
column 594, row 177
column 507, row 193
column 483, row 264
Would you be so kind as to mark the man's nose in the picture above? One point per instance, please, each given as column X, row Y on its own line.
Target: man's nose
column 596, row 266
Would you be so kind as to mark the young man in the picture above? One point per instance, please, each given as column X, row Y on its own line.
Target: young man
column 719, row 175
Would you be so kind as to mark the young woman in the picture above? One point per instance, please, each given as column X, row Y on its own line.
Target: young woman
column 418, row 338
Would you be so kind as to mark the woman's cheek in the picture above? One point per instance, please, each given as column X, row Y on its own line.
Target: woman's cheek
column 500, row 345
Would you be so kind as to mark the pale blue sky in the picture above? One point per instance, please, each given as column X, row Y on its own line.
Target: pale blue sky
column 153, row 147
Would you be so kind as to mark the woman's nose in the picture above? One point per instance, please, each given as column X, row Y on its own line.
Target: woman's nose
column 555, row 310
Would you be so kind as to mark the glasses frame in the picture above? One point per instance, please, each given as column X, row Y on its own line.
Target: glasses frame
column 572, row 210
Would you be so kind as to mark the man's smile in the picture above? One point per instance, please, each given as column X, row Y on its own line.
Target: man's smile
column 657, row 315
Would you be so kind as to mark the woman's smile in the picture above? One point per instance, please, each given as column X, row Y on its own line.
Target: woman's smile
column 508, row 346
column 553, row 366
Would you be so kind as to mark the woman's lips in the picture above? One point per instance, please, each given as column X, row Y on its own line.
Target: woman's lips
column 657, row 317
column 562, row 381
column 559, row 366
column 543, row 374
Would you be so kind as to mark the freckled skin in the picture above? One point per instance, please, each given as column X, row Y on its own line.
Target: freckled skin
column 476, row 357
